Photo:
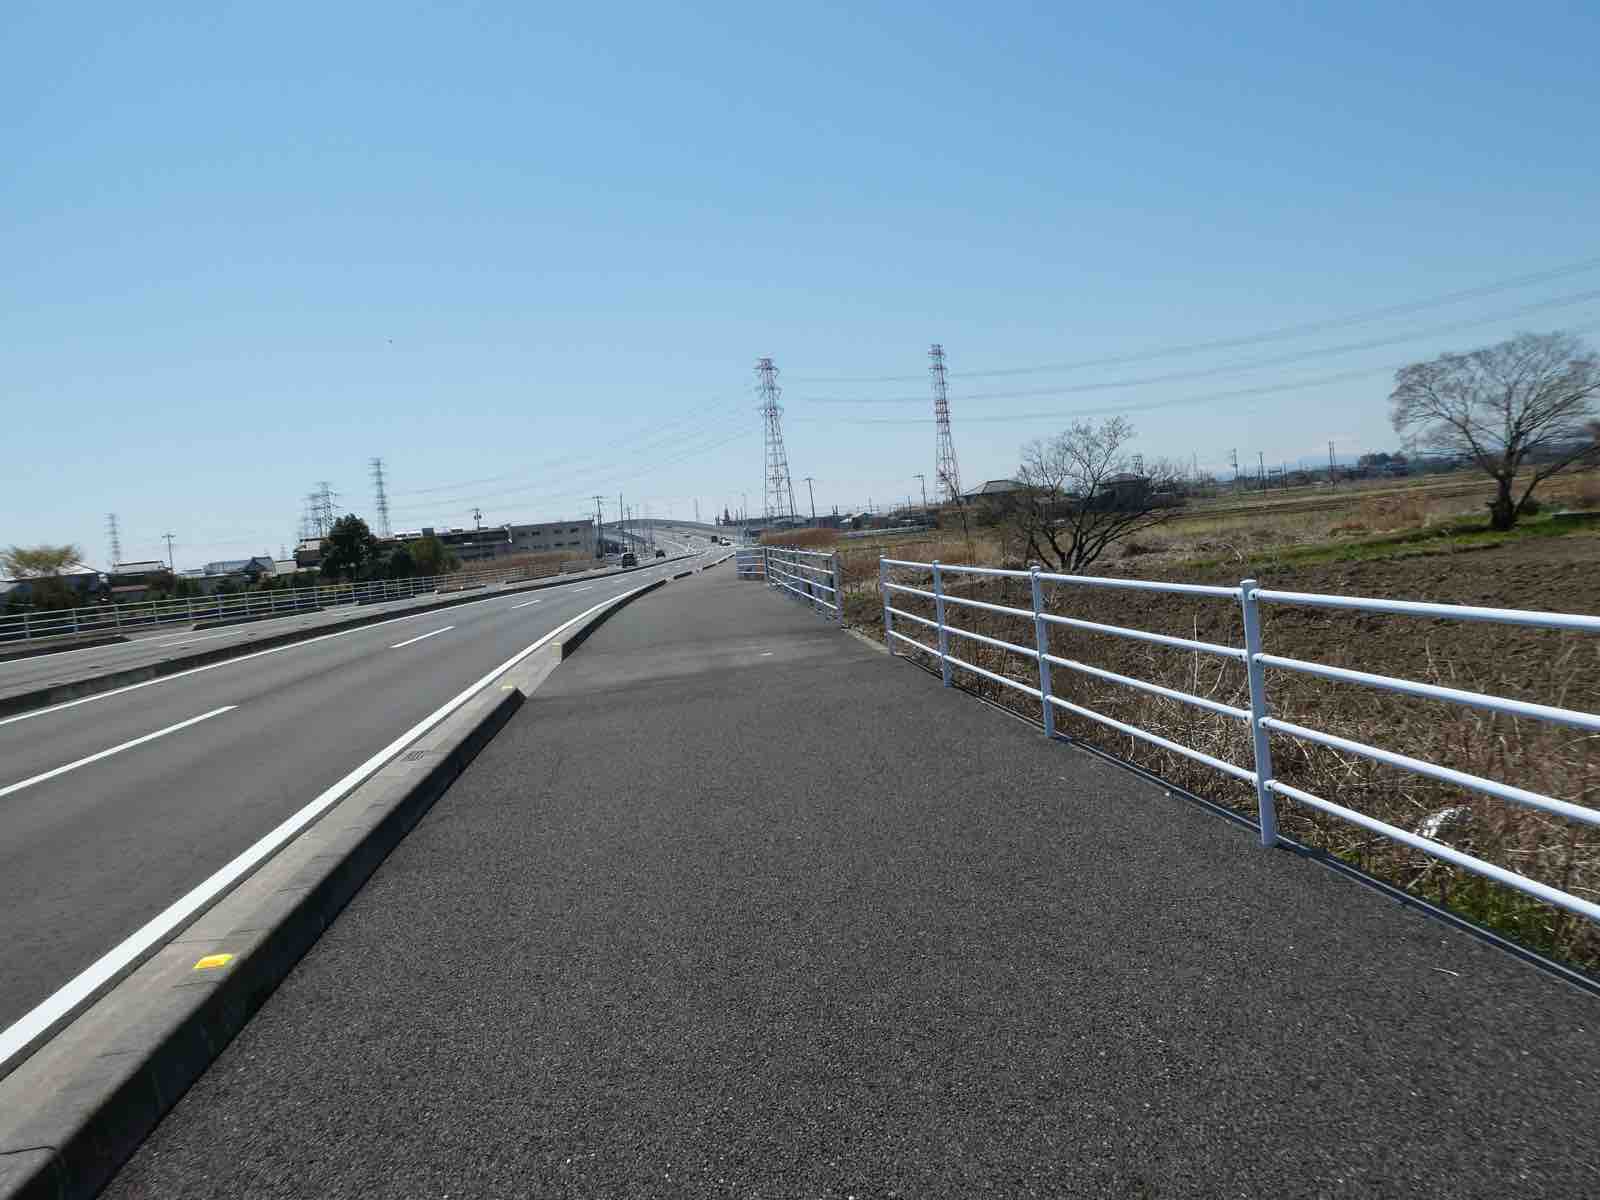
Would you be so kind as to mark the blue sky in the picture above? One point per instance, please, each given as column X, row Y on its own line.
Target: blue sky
column 529, row 253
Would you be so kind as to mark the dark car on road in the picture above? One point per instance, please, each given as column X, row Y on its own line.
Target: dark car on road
column 630, row 559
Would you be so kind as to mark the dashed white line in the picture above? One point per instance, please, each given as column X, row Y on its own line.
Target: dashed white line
column 421, row 637
column 525, row 604
column 138, row 741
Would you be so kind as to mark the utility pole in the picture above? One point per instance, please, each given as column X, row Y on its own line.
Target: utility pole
column 599, row 529
column 116, row 539
column 1233, row 457
column 697, row 510
column 171, row 566
column 810, row 491
column 923, row 479
column 946, row 472
column 779, row 493
column 1261, row 468
column 1333, row 476
column 381, row 497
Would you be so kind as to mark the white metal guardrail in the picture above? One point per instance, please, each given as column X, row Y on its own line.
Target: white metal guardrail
column 808, row 575
column 750, row 562
column 113, row 618
column 1255, row 659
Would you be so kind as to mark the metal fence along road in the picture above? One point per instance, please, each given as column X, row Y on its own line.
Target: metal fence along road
column 808, row 575
column 1255, row 658
column 113, row 618
column 750, row 562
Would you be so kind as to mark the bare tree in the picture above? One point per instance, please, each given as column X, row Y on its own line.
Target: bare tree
column 1081, row 494
column 1524, row 403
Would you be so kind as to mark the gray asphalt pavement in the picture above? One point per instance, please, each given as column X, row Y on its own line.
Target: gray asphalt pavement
column 852, row 934
column 89, row 854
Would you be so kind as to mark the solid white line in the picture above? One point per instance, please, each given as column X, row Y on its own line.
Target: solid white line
column 525, row 604
column 138, row 741
column 132, row 950
column 421, row 637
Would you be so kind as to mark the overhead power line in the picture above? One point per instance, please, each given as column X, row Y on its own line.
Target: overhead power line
column 1286, row 331
column 1176, row 402
column 1233, row 368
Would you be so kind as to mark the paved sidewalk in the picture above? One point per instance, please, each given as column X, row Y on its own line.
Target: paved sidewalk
column 737, row 906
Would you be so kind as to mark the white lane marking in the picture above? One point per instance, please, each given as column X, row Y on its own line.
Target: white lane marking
column 227, row 662
column 590, row 588
column 525, row 604
column 421, row 637
column 137, row 946
column 210, row 637
column 93, row 758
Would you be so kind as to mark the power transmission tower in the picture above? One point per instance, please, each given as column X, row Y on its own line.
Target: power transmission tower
column 116, row 539
column 923, row 480
column 170, row 565
column 1233, row 457
column 319, row 510
column 477, row 518
column 382, row 497
column 779, row 500
column 945, row 469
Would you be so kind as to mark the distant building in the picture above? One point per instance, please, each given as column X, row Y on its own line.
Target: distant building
column 248, row 569
column 571, row 539
column 993, row 489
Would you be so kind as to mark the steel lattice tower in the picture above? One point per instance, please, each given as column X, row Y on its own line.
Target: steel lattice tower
column 382, row 497
column 115, row 537
column 780, row 490
column 945, row 468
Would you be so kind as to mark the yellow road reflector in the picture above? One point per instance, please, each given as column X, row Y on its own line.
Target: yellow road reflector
column 212, row 961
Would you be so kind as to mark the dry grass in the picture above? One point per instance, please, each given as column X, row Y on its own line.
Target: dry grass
column 1527, row 664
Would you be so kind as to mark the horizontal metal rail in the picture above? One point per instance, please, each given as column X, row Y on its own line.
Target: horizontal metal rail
column 900, row 612
column 1027, row 651
column 1476, row 783
column 1448, row 612
column 1449, row 854
column 783, row 567
column 987, row 674
column 1142, row 635
column 1156, row 739
column 1155, row 689
column 1434, row 691
column 1144, row 585
column 1254, row 657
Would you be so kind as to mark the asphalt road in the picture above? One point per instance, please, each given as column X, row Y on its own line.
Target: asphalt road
column 149, row 646
column 114, row 806
column 736, row 906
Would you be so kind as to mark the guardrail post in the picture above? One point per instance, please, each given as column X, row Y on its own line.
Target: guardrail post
column 883, row 594
column 1265, row 807
column 25, row 632
column 1041, row 639
column 938, row 612
column 838, row 587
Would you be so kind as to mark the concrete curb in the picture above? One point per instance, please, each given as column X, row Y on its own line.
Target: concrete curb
column 56, row 693
column 73, row 1112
